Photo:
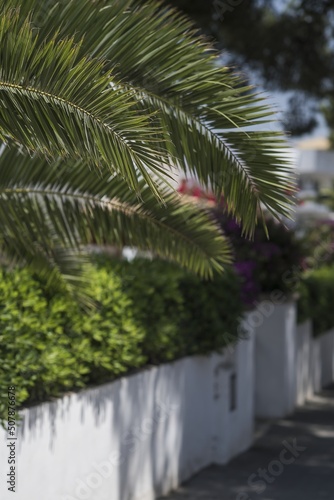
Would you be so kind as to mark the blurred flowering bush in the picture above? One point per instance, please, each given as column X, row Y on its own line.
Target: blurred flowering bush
column 264, row 264
column 319, row 241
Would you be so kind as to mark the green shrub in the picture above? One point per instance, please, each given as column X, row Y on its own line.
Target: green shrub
column 320, row 285
column 147, row 313
column 319, row 242
column 181, row 314
column 212, row 317
column 50, row 347
column 158, row 306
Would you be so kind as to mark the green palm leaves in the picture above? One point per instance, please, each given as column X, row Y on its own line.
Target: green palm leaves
column 80, row 207
column 67, row 106
column 111, row 96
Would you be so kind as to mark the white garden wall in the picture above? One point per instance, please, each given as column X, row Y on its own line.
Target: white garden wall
column 304, row 342
column 234, row 428
column 275, row 355
column 288, row 360
column 141, row 436
column 327, row 357
column 321, row 362
column 137, row 437
column 314, row 368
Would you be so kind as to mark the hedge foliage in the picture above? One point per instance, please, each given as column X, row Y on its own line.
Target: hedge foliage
column 317, row 302
column 147, row 313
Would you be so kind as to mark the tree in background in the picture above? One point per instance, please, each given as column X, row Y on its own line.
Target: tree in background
column 289, row 43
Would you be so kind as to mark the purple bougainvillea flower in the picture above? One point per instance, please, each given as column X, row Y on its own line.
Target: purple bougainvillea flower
column 232, row 226
column 245, row 267
column 250, row 290
column 267, row 249
column 328, row 222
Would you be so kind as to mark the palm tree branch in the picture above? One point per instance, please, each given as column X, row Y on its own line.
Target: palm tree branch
column 176, row 76
column 82, row 205
column 100, row 125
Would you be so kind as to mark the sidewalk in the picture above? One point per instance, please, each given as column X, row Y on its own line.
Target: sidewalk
column 292, row 460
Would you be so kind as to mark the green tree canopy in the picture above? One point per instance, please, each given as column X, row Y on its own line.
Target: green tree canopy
column 289, row 43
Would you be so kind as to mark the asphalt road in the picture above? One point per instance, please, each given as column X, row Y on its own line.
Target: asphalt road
column 292, row 460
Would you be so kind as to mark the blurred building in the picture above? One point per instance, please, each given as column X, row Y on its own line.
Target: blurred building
column 315, row 165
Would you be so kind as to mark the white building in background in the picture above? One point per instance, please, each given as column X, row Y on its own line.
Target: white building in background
column 315, row 171
column 315, row 164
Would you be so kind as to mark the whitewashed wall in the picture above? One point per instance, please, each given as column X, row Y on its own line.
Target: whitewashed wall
column 234, row 430
column 315, row 368
column 137, row 437
column 314, row 362
column 143, row 435
column 327, row 357
column 290, row 365
column 275, row 355
column 304, row 342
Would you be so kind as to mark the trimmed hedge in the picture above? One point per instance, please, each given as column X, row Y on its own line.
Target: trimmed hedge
column 147, row 313
column 317, row 300
column 50, row 346
column 180, row 314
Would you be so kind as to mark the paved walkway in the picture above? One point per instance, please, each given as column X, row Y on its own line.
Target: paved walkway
column 266, row 472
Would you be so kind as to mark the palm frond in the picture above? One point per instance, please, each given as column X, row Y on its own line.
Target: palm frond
column 29, row 239
column 110, row 94
column 57, row 103
column 205, row 111
column 81, row 207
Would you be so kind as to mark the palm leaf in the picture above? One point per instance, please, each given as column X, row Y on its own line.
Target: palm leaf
column 80, row 207
column 29, row 239
column 60, row 104
column 205, row 110
column 125, row 90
